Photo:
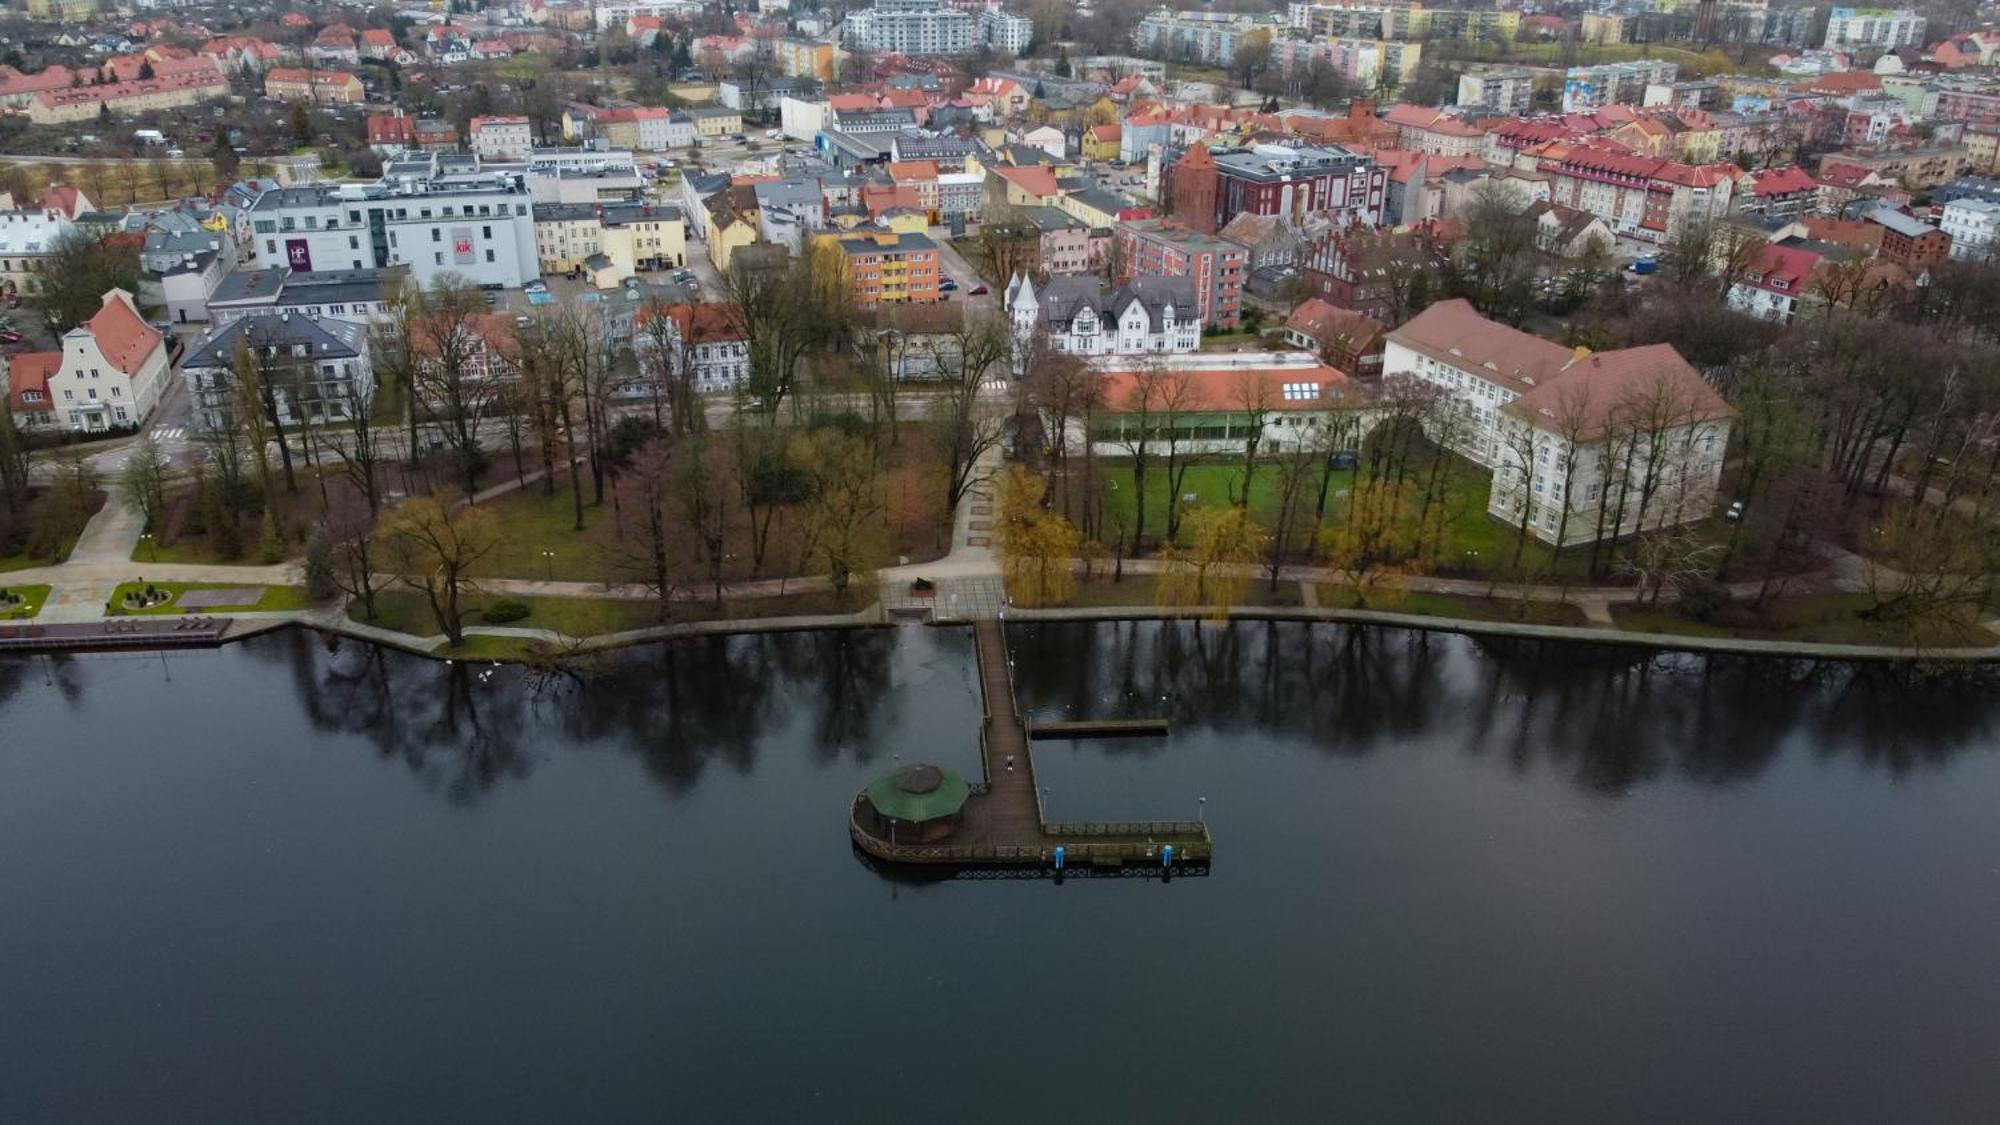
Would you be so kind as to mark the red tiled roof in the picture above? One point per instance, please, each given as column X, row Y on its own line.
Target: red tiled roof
column 126, row 340
column 1324, row 321
column 1227, row 388
column 1040, row 179
column 1782, row 181
column 1788, row 265
column 1453, row 332
column 703, row 323
column 30, row 371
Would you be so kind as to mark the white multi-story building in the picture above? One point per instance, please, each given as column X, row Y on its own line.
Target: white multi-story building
column 27, row 238
column 1586, row 88
column 912, row 27
column 1584, row 446
column 1887, row 28
column 702, row 341
column 1205, row 37
column 1146, row 316
column 1974, row 227
column 1006, row 33
column 502, row 138
column 438, row 214
column 109, row 375
column 1498, row 89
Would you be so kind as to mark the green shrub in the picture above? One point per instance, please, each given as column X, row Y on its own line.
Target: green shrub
column 503, row 611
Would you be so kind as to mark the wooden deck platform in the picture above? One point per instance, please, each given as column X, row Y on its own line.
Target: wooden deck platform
column 1002, row 823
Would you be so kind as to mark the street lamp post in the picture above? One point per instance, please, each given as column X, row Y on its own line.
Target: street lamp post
column 1202, row 805
column 549, row 565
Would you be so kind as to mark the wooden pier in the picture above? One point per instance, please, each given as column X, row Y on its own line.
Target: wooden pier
column 1002, row 822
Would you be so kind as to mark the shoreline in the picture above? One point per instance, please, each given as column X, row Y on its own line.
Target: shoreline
column 244, row 626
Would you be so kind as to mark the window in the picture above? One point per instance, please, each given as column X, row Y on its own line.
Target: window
column 438, row 258
column 489, row 255
column 486, row 232
column 68, row 394
column 353, row 243
column 437, row 235
column 1301, row 392
column 91, row 392
column 117, row 392
column 121, row 414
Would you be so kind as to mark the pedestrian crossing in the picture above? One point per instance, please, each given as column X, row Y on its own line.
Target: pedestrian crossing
column 169, row 433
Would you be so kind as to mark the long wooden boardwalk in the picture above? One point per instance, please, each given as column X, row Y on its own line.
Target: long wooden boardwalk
column 1003, row 823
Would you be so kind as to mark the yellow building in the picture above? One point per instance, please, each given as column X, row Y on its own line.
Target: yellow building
column 565, row 235
column 796, row 58
column 638, row 237
column 695, row 93
column 906, row 222
column 716, row 122
column 86, row 103
column 1100, row 142
column 1092, row 209
column 729, row 230
column 63, row 11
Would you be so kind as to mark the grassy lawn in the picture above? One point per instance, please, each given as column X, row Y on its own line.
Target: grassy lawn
column 1473, row 541
column 190, row 549
column 406, row 611
column 534, row 523
column 25, row 562
column 1189, row 72
column 1823, row 618
column 30, row 604
column 271, row 598
column 1210, row 484
column 1229, row 339
column 1475, row 544
column 1454, row 605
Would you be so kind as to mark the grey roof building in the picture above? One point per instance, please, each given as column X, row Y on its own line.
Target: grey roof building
column 326, row 374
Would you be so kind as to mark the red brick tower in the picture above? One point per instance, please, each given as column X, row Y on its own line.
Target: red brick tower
column 1195, row 183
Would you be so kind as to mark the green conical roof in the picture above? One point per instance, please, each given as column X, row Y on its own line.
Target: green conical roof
column 918, row 792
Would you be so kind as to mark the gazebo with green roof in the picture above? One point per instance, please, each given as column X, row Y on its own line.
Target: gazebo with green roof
column 918, row 803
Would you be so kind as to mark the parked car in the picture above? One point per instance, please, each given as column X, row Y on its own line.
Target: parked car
column 9, row 336
column 948, row 284
column 977, row 291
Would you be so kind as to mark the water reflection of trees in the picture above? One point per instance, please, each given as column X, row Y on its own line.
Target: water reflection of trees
column 680, row 706
column 459, row 728
column 1608, row 718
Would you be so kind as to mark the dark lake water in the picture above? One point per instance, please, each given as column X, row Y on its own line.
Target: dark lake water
column 275, row 882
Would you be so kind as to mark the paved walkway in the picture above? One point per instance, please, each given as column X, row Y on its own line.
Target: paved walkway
column 112, row 533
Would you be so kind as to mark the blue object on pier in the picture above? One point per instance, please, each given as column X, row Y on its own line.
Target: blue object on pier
column 1166, row 855
column 1059, row 857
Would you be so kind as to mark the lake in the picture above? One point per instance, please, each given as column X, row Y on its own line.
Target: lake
column 279, row 881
